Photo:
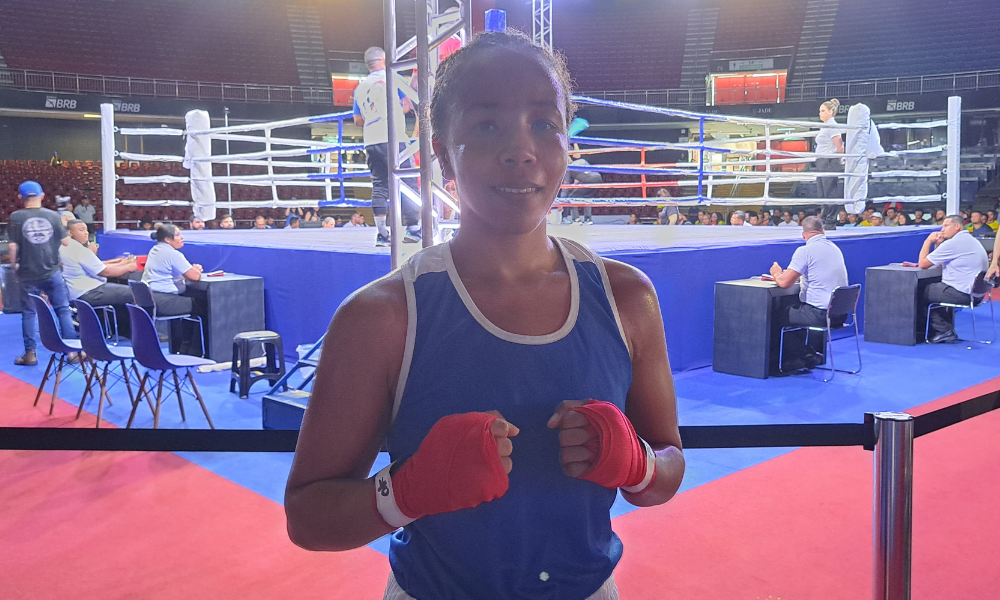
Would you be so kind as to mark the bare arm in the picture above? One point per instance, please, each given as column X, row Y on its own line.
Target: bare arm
column 993, row 261
column 785, row 278
column 359, row 120
column 13, row 255
column 329, row 498
column 117, row 268
column 194, row 273
column 926, row 249
column 838, row 143
column 651, row 403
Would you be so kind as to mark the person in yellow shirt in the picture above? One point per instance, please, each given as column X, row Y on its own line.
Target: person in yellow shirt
column 991, row 220
column 875, row 220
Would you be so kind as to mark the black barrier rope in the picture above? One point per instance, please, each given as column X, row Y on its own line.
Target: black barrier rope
column 955, row 413
column 250, row 440
column 272, row 440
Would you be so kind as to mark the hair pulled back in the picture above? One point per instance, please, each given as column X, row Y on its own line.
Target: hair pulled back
column 163, row 232
column 453, row 68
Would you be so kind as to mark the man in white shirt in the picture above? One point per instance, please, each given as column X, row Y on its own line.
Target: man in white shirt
column 738, row 219
column 786, row 220
column 357, row 220
column 819, row 268
column 86, row 275
column 370, row 108
column 962, row 258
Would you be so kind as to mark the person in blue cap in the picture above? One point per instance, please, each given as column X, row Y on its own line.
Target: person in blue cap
column 36, row 235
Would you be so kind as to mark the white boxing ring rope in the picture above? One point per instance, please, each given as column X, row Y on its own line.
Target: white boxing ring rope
column 699, row 178
column 704, row 175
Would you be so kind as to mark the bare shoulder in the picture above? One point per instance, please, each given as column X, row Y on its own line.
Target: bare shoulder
column 638, row 306
column 380, row 305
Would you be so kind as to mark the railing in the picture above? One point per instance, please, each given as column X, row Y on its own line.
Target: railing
column 69, row 83
column 953, row 82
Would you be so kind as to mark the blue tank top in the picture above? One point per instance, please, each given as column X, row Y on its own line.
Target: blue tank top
column 550, row 535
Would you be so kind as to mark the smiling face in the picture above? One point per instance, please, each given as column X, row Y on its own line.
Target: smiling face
column 505, row 141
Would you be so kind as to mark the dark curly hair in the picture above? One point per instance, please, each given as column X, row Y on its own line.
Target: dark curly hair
column 456, row 65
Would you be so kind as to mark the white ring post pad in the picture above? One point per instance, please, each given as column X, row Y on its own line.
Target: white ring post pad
column 650, row 470
column 385, row 500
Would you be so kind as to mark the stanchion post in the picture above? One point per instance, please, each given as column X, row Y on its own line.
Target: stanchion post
column 954, row 195
column 108, row 167
column 893, row 506
column 392, row 105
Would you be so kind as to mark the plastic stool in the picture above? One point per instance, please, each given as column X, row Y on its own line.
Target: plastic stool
column 241, row 372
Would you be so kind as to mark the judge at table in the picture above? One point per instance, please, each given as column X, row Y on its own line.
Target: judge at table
column 819, row 268
column 962, row 258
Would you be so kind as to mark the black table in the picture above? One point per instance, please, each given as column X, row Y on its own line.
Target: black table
column 234, row 304
column 747, row 332
column 892, row 300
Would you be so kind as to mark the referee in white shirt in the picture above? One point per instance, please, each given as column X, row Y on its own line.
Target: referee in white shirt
column 819, row 268
column 962, row 258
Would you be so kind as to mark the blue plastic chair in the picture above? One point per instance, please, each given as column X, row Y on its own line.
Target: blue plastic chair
column 143, row 297
column 146, row 346
column 95, row 345
column 48, row 332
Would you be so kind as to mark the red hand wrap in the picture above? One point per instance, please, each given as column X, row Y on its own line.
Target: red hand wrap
column 620, row 458
column 457, row 466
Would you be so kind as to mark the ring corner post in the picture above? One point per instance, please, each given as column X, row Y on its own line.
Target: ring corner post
column 953, row 185
column 108, row 167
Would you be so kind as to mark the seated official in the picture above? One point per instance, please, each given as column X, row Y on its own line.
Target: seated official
column 86, row 275
column 962, row 258
column 819, row 268
column 166, row 273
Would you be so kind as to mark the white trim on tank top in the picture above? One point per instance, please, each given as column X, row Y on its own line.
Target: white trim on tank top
column 517, row 338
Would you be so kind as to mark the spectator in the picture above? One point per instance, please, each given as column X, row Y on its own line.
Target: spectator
column 145, row 223
column 716, row 218
column 269, row 222
column 213, row 224
column 918, row 217
column 991, row 220
column 939, row 217
column 802, row 215
column 293, row 222
column 633, row 219
column 704, row 218
column 977, row 224
column 901, row 219
column 738, row 219
column 841, row 218
column 765, row 219
column 157, row 225
column 54, row 161
column 260, row 222
column 36, row 236
column 196, row 223
column 86, row 213
column 875, row 220
column 227, row 222
column 752, row 218
column 357, row 220
column 962, row 258
column 786, row 220
column 853, row 220
column 329, row 223
column 890, row 215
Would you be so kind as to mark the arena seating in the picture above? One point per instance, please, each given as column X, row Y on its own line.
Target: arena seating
column 759, row 24
column 239, row 41
column 620, row 47
column 899, row 38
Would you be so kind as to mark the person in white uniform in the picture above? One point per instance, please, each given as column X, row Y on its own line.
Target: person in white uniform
column 819, row 268
column 962, row 259
column 166, row 273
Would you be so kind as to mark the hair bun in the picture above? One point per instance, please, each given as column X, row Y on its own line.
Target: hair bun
column 835, row 102
column 152, row 235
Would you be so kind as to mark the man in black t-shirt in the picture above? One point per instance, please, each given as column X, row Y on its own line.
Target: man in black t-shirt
column 36, row 234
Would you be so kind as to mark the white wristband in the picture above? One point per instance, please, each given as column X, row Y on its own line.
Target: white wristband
column 385, row 500
column 650, row 470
